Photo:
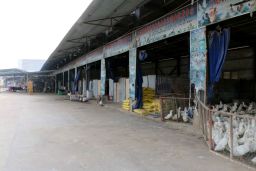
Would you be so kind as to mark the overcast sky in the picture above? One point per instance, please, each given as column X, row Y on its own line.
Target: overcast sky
column 32, row 29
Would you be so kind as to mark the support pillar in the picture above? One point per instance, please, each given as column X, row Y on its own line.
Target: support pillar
column 132, row 74
column 56, row 84
column 27, row 82
column 75, row 72
column 198, row 60
column 68, row 81
column 63, row 79
column 102, row 77
column 86, row 77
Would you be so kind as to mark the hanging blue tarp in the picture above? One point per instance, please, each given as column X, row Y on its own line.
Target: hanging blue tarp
column 218, row 46
column 139, row 90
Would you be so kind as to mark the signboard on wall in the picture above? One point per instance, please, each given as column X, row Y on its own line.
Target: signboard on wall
column 132, row 71
column 212, row 11
column 118, row 46
column 198, row 54
column 173, row 24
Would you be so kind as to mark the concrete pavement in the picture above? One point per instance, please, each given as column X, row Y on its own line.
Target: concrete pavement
column 47, row 133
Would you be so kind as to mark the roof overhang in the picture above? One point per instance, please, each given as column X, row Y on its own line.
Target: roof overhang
column 100, row 16
column 18, row 72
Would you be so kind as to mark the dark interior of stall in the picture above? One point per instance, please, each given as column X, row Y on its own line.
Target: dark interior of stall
column 94, row 70
column 43, row 84
column 168, row 60
column 66, row 80
column 116, row 67
column 59, row 80
column 237, row 79
column 80, row 78
column 93, row 73
column 71, row 78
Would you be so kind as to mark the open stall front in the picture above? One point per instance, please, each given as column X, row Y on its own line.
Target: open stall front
column 117, row 78
column 163, row 68
column 229, row 116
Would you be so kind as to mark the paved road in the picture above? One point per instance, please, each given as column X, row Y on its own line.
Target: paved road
column 47, row 133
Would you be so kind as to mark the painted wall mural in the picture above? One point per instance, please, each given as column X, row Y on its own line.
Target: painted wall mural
column 198, row 55
column 212, row 11
column 118, row 46
column 173, row 24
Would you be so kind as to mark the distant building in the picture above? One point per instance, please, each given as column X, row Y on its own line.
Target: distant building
column 1, row 82
column 31, row 65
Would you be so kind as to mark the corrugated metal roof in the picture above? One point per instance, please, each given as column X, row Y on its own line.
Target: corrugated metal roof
column 98, row 9
column 11, row 71
column 15, row 71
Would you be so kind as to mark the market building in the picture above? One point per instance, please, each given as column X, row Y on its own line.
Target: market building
column 175, row 40
column 170, row 50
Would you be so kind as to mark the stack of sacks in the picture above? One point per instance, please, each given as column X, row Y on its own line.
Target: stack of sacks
column 157, row 106
column 153, row 107
column 148, row 95
column 126, row 104
column 150, row 104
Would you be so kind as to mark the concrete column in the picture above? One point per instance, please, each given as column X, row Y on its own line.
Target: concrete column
column 68, row 81
column 63, row 78
column 132, row 72
column 75, row 71
column 86, row 77
column 56, row 84
column 84, row 81
column 198, row 74
column 102, row 77
column 132, row 69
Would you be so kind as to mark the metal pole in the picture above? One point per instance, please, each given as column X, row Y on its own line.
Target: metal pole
column 162, row 113
column 86, row 77
column 55, row 84
column 231, row 136
column 63, row 79
column 204, row 120
column 27, row 81
column 210, row 130
column 189, row 93
column 75, row 71
column 68, row 81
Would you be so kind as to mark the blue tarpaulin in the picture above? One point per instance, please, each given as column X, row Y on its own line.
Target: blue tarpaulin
column 218, row 46
column 139, row 91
